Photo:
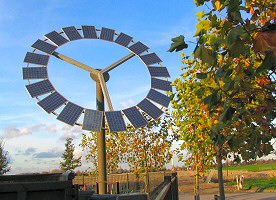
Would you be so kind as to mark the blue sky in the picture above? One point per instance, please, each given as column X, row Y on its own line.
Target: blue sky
column 35, row 139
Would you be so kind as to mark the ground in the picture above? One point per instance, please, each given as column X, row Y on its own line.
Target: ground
column 186, row 181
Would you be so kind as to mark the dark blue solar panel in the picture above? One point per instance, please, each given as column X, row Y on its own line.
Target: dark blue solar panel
column 89, row 32
column 35, row 73
column 93, row 120
column 40, row 88
column 159, row 71
column 35, row 58
column 52, row 102
column 150, row 59
column 56, row 38
column 150, row 109
column 70, row 114
column 138, row 48
column 135, row 117
column 159, row 98
column 107, row 34
column 44, row 46
column 115, row 121
column 123, row 39
column 161, row 84
column 72, row 33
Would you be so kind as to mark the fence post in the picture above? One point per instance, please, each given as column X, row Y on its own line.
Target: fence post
column 137, row 182
column 169, row 193
column 97, row 187
column 118, row 187
column 147, row 186
column 175, row 186
column 127, row 183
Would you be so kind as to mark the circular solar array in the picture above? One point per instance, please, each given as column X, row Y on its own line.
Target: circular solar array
column 71, row 113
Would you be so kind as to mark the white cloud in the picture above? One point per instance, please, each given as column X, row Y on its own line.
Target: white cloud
column 128, row 103
column 30, row 151
column 52, row 128
column 70, row 132
column 12, row 131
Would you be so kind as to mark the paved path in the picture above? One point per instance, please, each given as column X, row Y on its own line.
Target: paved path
column 233, row 196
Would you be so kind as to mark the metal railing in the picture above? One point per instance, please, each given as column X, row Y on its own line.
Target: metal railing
column 161, row 185
column 123, row 183
column 168, row 190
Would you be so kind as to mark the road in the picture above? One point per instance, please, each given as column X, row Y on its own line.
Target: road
column 233, row 196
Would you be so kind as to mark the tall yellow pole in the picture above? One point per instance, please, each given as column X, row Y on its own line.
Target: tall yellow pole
column 102, row 177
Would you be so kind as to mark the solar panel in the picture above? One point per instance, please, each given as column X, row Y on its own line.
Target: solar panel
column 35, row 58
column 70, row 114
column 150, row 59
column 115, row 121
column 89, row 32
column 93, row 120
column 72, row 33
column 159, row 98
column 138, row 48
column 107, row 34
column 44, row 46
column 159, row 71
column 161, row 84
column 150, row 109
column 123, row 39
column 35, row 72
column 52, row 102
column 40, row 88
column 56, row 38
column 135, row 117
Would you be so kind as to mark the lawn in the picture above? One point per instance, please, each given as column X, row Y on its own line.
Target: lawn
column 259, row 185
column 254, row 167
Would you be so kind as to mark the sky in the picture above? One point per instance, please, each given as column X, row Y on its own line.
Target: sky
column 34, row 139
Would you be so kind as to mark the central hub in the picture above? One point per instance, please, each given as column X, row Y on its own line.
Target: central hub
column 96, row 78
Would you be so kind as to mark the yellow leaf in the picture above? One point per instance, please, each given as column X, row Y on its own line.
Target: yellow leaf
column 218, row 5
column 203, row 25
column 200, row 15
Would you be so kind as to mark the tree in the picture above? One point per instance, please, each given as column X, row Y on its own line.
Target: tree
column 232, row 74
column 148, row 148
column 144, row 149
column 4, row 160
column 69, row 162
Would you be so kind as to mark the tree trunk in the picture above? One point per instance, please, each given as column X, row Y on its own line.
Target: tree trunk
column 196, row 190
column 220, row 174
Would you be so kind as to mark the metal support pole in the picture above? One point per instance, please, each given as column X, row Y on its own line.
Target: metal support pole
column 102, row 177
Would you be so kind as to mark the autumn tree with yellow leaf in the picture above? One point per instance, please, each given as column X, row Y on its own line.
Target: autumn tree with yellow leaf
column 230, row 78
column 142, row 150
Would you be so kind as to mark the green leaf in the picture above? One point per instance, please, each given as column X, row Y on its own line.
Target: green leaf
column 233, row 11
column 212, row 99
column 268, row 63
column 238, row 48
column 229, row 84
column 178, row 44
column 200, row 2
column 231, row 142
column 234, row 34
column 204, row 54
column 201, row 75
column 220, row 73
column 200, row 92
column 233, row 6
column 227, row 114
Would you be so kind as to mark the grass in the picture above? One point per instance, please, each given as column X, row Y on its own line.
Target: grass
column 259, row 185
column 254, row 167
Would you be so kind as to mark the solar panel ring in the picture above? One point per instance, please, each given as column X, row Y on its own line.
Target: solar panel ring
column 58, row 39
